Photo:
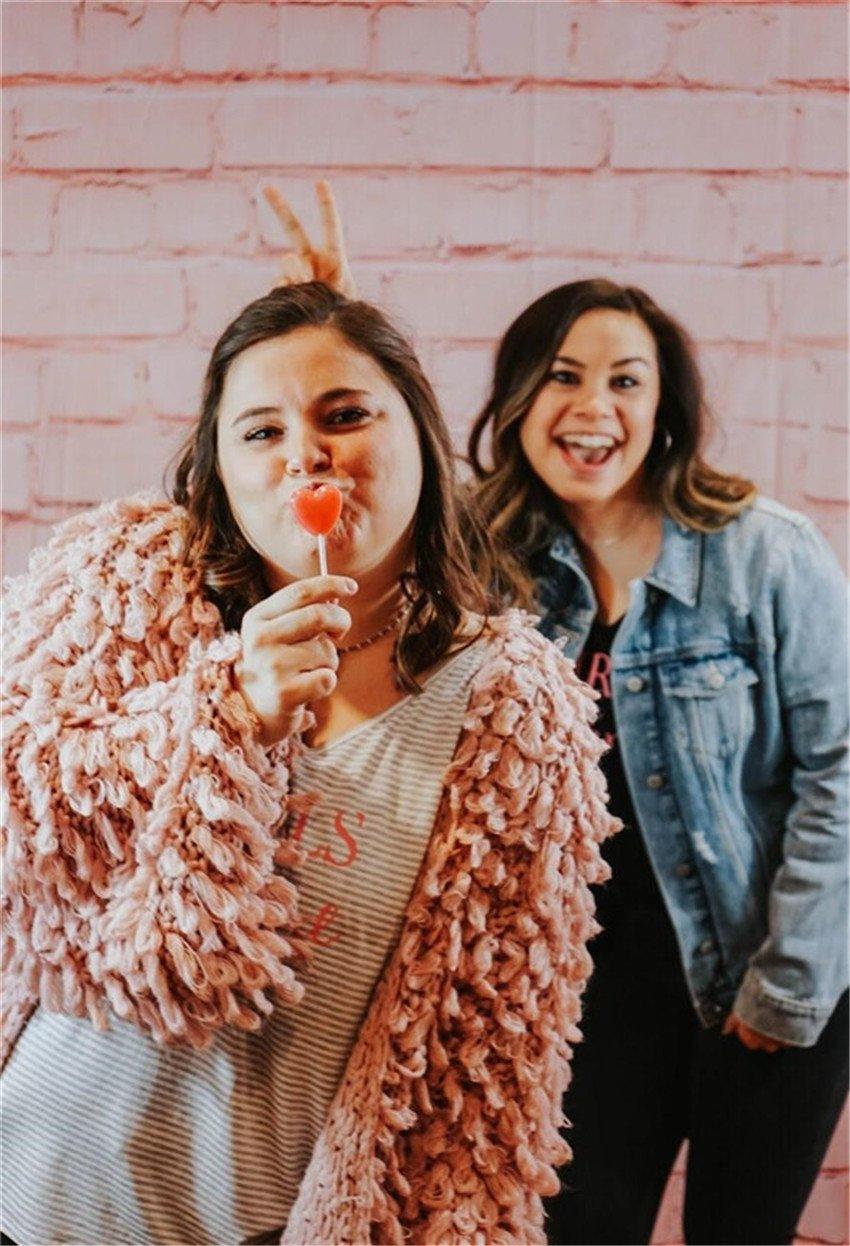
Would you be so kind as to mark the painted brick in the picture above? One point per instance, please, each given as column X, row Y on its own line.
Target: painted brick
column 460, row 375
column 28, row 204
column 90, row 463
column 20, row 538
column 571, row 41
column 418, row 212
column 827, row 479
column 20, row 379
column 715, row 304
column 322, row 37
column 136, row 128
column 126, row 38
column 175, row 378
column 611, row 43
column 814, row 389
column 37, row 38
column 507, row 37
column 17, row 459
column 684, row 218
column 568, row 131
column 410, row 126
column 8, row 133
column 816, row 42
column 228, row 38
column 91, row 384
column 744, row 384
column 595, row 214
column 812, row 301
column 210, row 216
column 819, row 142
column 219, row 290
column 103, row 218
column 474, row 303
column 727, row 46
column 423, row 40
column 800, row 217
column 699, row 130
column 747, row 450
column 817, row 217
column 47, row 299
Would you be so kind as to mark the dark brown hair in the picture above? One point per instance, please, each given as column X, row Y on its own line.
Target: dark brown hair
column 515, row 506
column 441, row 584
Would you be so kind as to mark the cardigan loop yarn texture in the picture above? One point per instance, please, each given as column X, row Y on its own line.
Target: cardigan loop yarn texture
column 142, row 878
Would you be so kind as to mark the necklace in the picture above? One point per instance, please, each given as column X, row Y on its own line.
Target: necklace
column 383, row 631
column 605, row 542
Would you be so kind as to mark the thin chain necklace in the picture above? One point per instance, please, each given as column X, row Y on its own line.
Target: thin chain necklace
column 383, row 631
column 605, row 542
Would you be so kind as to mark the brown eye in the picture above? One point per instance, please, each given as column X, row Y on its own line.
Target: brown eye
column 261, row 434
column 346, row 416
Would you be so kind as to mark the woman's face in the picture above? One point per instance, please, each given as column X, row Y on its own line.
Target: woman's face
column 307, row 407
column 589, row 429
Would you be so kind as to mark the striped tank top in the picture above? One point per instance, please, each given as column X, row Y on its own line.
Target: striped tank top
column 107, row 1137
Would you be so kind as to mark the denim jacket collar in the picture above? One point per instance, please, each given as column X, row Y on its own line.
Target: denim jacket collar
column 677, row 569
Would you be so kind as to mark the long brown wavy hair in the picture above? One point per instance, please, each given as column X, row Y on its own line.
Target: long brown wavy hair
column 515, row 508
column 441, row 584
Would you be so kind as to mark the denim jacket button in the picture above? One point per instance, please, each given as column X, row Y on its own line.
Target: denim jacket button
column 716, row 679
column 684, row 869
column 634, row 683
column 707, row 945
column 655, row 781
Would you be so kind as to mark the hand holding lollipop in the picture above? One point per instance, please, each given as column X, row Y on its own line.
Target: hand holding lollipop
column 317, row 508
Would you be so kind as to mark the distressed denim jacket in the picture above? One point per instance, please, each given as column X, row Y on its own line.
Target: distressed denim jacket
column 729, row 685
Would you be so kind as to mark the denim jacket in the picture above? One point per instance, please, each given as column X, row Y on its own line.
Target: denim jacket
column 729, row 686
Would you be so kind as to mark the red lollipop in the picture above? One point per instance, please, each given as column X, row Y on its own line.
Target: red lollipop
column 317, row 508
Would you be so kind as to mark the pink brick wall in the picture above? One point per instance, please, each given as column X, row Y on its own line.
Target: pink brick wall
column 481, row 153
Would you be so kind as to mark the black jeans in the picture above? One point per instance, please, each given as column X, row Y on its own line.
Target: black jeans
column 647, row 1075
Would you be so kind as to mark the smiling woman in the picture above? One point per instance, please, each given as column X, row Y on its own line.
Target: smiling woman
column 274, row 839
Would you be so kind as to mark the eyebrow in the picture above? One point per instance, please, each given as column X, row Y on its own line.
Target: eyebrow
column 328, row 396
column 619, row 363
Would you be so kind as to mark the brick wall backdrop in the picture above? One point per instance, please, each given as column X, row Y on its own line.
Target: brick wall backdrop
column 481, row 153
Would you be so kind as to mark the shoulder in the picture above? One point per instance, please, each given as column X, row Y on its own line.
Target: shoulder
column 758, row 527
column 143, row 522
column 522, row 668
column 772, row 537
column 120, row 563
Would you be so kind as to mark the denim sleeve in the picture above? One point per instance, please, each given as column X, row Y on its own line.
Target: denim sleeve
column 796, row 976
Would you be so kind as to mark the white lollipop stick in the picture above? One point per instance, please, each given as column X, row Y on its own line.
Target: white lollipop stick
column 323, row 555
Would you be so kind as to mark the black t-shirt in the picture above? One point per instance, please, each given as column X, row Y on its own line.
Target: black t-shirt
column 629, row 906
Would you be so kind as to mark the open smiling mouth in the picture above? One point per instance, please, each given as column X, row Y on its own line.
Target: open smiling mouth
column 584, row 450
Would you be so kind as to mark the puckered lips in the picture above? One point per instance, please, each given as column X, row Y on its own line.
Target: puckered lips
column 587, row 453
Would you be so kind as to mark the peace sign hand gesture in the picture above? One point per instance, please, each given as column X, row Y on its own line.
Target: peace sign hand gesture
column 306, row 262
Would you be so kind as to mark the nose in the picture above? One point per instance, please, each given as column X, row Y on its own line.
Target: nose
column 305, row 453
column 592, row 402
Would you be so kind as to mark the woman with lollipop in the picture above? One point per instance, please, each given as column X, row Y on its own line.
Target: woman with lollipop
column 297, row 865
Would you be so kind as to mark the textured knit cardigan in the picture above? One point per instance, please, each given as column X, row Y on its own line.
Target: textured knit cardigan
column 142, row 850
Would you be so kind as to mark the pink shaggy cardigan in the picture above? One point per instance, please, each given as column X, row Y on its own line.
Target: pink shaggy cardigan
column 140, row 820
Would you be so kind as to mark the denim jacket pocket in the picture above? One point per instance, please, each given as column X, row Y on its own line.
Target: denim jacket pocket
column 712, row 703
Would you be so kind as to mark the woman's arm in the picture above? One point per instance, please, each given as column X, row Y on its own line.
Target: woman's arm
column 797, row 975
column 139, row 852
column 305, row 262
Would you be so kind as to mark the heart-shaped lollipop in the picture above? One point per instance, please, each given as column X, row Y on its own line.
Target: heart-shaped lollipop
column 317, row 508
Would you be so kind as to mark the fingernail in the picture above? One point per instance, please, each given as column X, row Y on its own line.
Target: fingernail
column 352, row 586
